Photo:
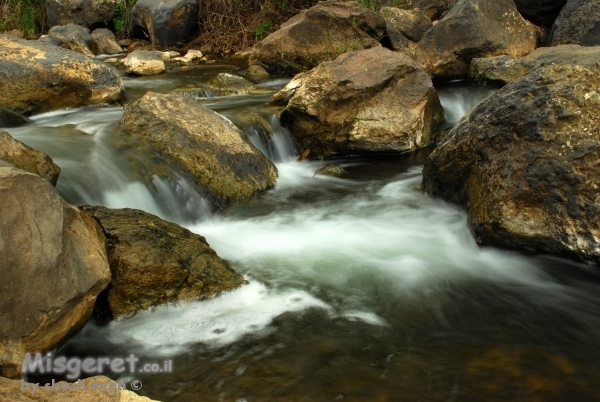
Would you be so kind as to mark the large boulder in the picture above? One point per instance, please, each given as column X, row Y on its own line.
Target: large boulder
column 474, row 28
column 144, row 62
column 540, row 12
column 412, row 24
column 525, row 164
column 431, row 8
column 38, row 77
column 504, row 69
column 319, row 34
column 24, row 157
column 90, row 13
column 53, row 264
column 373, row 100
column 206, row 146
column 156, row 262
column 106, row 41
column 169, row 22
column 578, row 23
column 73, row 37
column 96, row 389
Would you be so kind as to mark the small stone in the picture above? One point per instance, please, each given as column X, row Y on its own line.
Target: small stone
column 331, row 169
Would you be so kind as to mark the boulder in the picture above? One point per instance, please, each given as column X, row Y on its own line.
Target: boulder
column 73, row 37
column 257, row 74
column 106, row 41
column 525, row 164
column 156, row 262
column 578, row 23
column 9, row 118
column 230, row 84
column 373, row 100
column 53, row 264
column 204, row 145
column 38, row 77
column 431, row 8
column 540, row 12
column 90, row 13
column 144, row 62
column 96, row 389
column 504, row 69
column 319, row 34
column 474, row 28
column 168, row 22
column 26, row 158
column 410, row 23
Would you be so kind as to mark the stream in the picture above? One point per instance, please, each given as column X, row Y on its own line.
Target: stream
column 360, row 289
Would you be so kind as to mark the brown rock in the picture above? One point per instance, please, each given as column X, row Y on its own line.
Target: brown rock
column 106, row 41
column 73, row 37
column 144, row 62
column 53, row 264
column 412, row 24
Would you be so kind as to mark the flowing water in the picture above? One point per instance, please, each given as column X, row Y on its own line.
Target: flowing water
column 360, row 289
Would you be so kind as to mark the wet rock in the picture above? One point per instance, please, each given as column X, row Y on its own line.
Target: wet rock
column 53, row 265
column 373, row 100
column 331, row 169
column 257, row 74
column 230, row 84
column 169, row 22
column 155, row 262
column 504, row 69
column 144, row 62
column 90, row 13
column 26, row 158
column 525, row 165
column 412, row 24
column 319, row 34
column 540, row 12
column 38, row 77
column 203, row 144
column 9, row 118
column 578, row 23
column 10, row 390
column 471, row 29
column 191, row 57
column 73, row 37
column 106, row 41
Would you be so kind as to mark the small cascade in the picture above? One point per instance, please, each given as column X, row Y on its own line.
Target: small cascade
column 275, row 141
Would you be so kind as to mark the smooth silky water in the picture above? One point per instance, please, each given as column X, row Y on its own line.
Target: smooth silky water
column 360, row 289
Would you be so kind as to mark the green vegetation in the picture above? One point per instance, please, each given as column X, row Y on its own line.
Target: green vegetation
column 25, row 15
column 122, row 21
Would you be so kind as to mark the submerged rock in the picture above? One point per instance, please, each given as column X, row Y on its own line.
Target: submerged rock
column 331, row 169
column 144, row 62
column 26, row 158
column 504, row 69
column 318, row 34
column 39, row 77
column 525, row 164
column 373, row 100
column 471, row 29
column 203, row 144
column 53, row 265
column 156, row 262
column 168, row 22
column 578, row 23
column 90, row 13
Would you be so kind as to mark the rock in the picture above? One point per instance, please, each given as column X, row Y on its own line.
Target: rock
column 319, row 34
column 53, row 265
column 205, row 145
column 257, row 74
column 578, row 23
column 331, row 169
column 74, row 37
column 504, row 69
column 471, row 29
column 90, row 13
column 431, row 8
column 525, row 164
column 38, row 77
column 144, row 62
column 368, row 101
column 106, row 41
column 191, row 57
column 11, row 119
column 11, row 390
column 411, row 24
column 26, row 158
column 540, row 12
column 155, row 262
column 230, row 84
column 168, row 22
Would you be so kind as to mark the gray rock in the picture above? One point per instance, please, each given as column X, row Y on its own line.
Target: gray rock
column 257, row 74
column 106, row 41
column 90, row 13
column 73, row 37
column 578, row 23
column 411, row 24
column 168, row 22
column 230, row 84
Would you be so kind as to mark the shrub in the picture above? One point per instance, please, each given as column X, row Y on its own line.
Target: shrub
column 27, row 16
